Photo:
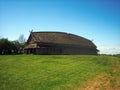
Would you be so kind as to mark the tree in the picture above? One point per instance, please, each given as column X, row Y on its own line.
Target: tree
column 10, row 47
column 21, row 39
column 19, row 46
column 5, row 46
column 16, row 46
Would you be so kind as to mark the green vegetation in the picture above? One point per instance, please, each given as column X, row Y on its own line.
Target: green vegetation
column 11, row 47
column 54, row 72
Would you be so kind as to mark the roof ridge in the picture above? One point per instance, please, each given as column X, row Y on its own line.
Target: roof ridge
column 50, row 32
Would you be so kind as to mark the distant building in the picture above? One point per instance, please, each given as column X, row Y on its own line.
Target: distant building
column 58, row 43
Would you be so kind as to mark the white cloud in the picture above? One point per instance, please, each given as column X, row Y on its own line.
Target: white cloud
column 109, row 49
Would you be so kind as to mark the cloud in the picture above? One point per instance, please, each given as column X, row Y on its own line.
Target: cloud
column 109, row 49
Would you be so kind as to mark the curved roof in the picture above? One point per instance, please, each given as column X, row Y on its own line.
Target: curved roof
column 59, row 38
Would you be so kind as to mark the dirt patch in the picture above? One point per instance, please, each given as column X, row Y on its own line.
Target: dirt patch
column 109, row 81
column 101, row 82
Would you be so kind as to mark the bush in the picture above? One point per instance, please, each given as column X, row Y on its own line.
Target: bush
column 10, row 47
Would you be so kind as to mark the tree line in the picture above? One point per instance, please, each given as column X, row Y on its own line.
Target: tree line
column 12, row 47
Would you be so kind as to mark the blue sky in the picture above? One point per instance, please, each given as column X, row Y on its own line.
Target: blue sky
column 97, row 20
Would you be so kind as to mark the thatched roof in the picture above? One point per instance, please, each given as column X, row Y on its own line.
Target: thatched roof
column 59, row 38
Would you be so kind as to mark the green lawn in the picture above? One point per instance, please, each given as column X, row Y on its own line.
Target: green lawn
column 53, row 72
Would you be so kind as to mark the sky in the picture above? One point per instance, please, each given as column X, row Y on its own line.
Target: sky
column 96, row 20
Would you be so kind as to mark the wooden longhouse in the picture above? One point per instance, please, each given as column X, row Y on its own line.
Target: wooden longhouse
column 58, row 43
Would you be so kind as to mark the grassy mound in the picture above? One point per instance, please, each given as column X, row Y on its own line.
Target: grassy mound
column 53, row 72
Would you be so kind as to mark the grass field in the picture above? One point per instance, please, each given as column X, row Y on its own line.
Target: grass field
column 59, row 72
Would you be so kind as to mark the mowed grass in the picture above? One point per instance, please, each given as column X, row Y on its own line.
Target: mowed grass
column 54, row 72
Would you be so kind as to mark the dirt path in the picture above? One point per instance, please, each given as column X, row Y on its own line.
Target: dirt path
column 106, row 82
column 101, row 82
